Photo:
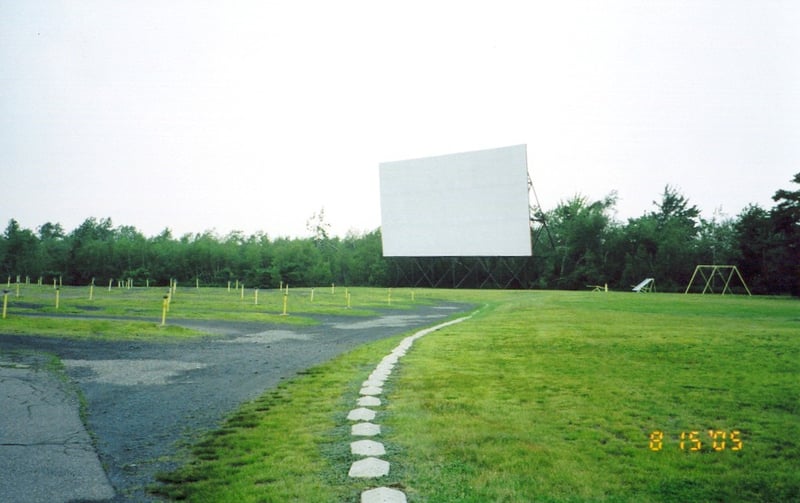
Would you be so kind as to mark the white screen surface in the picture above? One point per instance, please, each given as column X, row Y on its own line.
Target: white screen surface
column 466, row 204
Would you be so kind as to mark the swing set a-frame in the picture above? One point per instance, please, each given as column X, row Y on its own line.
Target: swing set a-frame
column 723, row 272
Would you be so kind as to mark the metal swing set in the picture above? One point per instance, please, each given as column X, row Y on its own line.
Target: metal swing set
column 711, row 272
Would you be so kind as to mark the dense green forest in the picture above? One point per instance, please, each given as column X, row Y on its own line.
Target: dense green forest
column 578, row 243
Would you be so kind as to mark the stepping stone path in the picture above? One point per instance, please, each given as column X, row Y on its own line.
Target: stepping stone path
column 370, row 466
column 367, row 448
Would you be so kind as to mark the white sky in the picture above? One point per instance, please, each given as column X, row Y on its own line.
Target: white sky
column 252, row 116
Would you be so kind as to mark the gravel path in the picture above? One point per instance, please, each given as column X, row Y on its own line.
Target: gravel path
column 144, row 397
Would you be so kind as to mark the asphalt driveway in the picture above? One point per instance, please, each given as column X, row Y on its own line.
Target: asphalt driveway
column 143, row 398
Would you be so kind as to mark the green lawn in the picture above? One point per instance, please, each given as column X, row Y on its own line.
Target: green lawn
column 542, row 396
column 553, row 396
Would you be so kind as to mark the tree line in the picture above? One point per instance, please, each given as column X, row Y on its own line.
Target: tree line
column 586, row 246
column 577, row 244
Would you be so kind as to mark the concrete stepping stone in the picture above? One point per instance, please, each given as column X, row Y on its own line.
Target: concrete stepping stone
column 365, row 430
column 367, row 448
column 383, row 495
column 384, row 368
column 369, row 468
column 371, row 390
column 361, row 414
column 368, row 401
column 380, row 374
column 388, row 361
column 375, row 381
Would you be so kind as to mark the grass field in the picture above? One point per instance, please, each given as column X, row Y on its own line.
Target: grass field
column 542, row 396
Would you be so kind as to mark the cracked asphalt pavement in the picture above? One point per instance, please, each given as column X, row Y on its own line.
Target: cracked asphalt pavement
column 44, row 447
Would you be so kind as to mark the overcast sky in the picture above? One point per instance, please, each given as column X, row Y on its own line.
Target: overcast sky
column 252, row 116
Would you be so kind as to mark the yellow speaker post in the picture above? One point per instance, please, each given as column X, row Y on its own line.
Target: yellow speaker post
column 164, row 307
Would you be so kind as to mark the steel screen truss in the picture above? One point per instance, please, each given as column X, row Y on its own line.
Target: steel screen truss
column 461, row 272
